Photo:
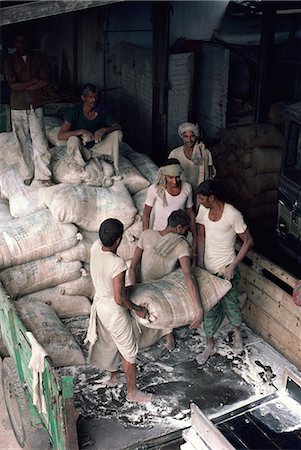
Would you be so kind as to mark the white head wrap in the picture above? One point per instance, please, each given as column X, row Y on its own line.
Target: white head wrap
column 173, row 170
column 188, row 126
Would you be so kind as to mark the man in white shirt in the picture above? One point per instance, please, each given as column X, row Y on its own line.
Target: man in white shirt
column 158, row 253
column 194, row 157
column 218, row 225
column 168, row 194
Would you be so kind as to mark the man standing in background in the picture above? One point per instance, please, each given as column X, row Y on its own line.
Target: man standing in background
column 27, row 73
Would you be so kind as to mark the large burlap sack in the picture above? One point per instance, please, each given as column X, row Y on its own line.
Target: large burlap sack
column 251, row 200
column 50, row 332
column 34, row 237
column 262, row 212
column 255, row 135
column 23, row 200
column 80, row 252
column 129, row 240
column 52, row 126
column 5, row 215
column 80, row 286
column 139, row 200
column 10, row 151
column 65, row 306
column 65, row 169
column 168, row 301
column 266, row 160
column 131, row 176
column 89, row 206
column 39, row 274
column 141, row 161
column 261, row 183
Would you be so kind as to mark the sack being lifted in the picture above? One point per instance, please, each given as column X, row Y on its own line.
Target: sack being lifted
column 168, row 301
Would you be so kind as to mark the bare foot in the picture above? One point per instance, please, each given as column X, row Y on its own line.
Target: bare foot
column 237, row 343
column 203, row 357
column 170, row 341
column 139, row 397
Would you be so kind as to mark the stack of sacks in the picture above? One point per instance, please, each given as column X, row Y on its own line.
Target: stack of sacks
column 46, row 233
column 249, row 165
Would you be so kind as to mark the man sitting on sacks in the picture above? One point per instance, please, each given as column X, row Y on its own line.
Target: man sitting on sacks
column 90, row 130
column 112, row 331
column 159, row 252
column 169, row 194
column 194, row 157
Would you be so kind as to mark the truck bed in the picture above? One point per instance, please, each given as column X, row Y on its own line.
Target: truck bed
column 223, row 384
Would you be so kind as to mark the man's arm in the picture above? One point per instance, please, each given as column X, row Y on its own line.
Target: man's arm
column 122, row 299
column 64, row 132
column 201, row 244
column 135, row 263
column 191, row 215
column 246, row 246
column 146, row 217
column 99, row 134
column 192, row 290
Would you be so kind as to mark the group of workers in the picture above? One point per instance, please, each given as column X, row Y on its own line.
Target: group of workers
column 185, row 198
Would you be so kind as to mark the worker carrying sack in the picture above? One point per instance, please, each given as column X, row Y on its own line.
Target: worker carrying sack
column 168, row 301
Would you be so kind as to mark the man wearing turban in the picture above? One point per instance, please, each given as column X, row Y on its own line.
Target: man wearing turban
column 194, row 157
column 169, row 193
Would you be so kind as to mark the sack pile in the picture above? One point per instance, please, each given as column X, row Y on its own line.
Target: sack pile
column 46, row 233
column 249, row 164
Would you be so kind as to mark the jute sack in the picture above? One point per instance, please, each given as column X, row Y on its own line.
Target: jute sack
column 168, row 301
column 5, row 215
column 129, row 240
column 51, row 334
column 10, row 151
column 258, row 200
column 266, row 160
column 89, row 206
column 80, row 252
column 139, row 200
column 34, row 237
column 262, row 212
column 37, row 275
column 65, row 306
column 131, row 176
column 262, row 182
column 255, row 135
column 80, row 286
column 141, row 161
column 23, row 200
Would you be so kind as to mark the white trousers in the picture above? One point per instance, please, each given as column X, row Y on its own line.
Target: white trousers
column 108, row 146
column 29, row 130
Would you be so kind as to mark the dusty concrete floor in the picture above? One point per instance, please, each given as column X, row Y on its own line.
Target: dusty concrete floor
column 7, row 437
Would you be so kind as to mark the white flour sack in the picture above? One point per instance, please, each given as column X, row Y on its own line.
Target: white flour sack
column 131, row 176
column 50, row 332
column 5, row 215
column 39, row 274
column 33, row 237
column 141, row 161
column 129, row 240
column 168, row 300
column 23, row 200
column 65, row 306
column 89, row 206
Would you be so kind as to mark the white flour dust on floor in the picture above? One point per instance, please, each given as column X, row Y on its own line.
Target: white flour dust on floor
column 175, row 379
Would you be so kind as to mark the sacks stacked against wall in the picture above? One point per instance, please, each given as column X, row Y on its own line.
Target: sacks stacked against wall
column 46, row 233
column 248, row 164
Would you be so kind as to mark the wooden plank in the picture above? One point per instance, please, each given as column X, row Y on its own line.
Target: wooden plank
column 207, row 431
column 39, row 9
column 273, row 308
column 275, row 334
column 269, row 288
column 260, row 262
